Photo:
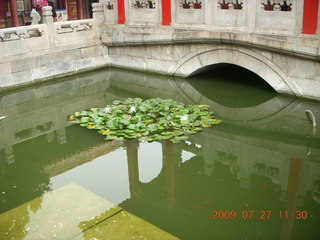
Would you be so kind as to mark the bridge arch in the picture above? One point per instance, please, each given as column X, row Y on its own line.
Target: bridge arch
column 245, row 58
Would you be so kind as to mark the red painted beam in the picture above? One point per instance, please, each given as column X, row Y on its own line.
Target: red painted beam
column 310, row 16
column 121, row 12
column 14, row 14
column 166, row 12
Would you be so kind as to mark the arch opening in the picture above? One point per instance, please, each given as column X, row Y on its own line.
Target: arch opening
column 231, row 85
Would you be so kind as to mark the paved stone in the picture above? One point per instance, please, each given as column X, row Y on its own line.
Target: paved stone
column 72, row 212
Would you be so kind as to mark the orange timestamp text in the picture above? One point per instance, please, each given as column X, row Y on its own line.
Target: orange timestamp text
column 262, row 214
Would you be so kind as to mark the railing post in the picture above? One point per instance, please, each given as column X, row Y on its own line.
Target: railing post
column 208, row 8
column 98, row 13
column 48, row 20
column 251, row 9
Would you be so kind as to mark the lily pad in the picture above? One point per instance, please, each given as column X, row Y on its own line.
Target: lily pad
column 148, row 120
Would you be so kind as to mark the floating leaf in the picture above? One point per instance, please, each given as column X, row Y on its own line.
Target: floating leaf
column 150, row 120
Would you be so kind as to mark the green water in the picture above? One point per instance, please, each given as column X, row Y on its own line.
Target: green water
column 255, row 176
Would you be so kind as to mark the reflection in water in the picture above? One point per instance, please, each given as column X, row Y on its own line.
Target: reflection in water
column 263, row 157
column 244, row 83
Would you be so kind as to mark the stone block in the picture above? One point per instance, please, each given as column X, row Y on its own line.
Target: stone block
column 5, row 68
column 22, row 65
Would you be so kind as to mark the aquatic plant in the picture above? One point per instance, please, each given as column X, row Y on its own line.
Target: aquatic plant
column 148, row 120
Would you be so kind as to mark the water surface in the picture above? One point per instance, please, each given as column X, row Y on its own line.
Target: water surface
column 255, row 176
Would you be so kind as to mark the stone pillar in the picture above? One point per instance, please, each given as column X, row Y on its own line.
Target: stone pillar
column 166, row 12
column 48, row 19
column 79, row 9
column 8, row 154
column 98, row 13
column 208, row 9
column 245, row 168
column 251, row 9
column 61, row 135
column 14, row 14
column 298, row 5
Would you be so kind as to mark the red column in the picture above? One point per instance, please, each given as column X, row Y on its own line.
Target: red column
column 294, row 180
column 310, row 16
column 79, row 9
column 3, row 9
column 61, row 4
column 133, row 166
column 121, row 12
column 14, row 14
column 171, row 172
column 166, row 12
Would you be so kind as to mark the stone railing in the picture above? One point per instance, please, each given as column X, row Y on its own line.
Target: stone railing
column 17, row 33
column 43, row 51
column 47, row 36
column 281, row 17
column 74, row 26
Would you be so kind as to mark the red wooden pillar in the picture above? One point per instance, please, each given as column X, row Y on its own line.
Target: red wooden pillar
column 3, row 9
column 171, row 172
column 79, row 9
column 294, row 180
column 166, row 12
column 14, row 14
column 310, row 16
column 121, row 12
column 133, row 166
column 61, row 4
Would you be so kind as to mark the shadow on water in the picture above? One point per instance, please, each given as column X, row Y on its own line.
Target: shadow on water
column 232, row 86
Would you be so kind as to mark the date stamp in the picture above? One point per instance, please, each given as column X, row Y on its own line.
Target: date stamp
column 262, row 214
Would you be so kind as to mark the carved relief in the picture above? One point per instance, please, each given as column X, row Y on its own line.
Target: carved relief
column 143, row 4
column 109, row 5
column 276, row 5
column 229, row 4
column 191, row 4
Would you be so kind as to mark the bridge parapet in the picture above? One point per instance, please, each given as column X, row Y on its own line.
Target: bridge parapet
column 258, row 16
column 302, row 45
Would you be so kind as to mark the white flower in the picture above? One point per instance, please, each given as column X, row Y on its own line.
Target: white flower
column 184, row 118
column 107, row 109
column 132, row 109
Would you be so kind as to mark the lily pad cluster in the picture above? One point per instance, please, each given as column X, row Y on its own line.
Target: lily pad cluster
column 148, row 120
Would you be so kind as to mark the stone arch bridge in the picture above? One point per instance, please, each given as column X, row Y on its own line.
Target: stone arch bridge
column 285, row 63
